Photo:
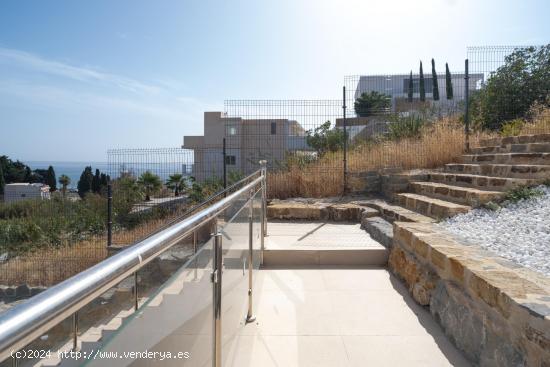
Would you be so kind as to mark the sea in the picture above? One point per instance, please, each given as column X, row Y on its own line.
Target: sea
column 71, row 169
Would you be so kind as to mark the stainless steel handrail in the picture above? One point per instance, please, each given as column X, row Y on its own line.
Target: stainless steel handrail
column 24, row 323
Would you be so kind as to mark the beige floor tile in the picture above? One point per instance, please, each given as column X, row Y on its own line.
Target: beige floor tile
column 290, row 279
column 410, row 351
column 288, row 351
column 294, row 312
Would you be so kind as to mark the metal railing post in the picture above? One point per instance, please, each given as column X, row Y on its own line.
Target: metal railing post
column 264, row 198
column 217, row 301
column 136, row 306
column 75, row 331
column 195, row 252
column 109, row 216
column 249, row 316
column 466, row 108
column 345, row 188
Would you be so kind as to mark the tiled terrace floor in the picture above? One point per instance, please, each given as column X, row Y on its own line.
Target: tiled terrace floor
column 305, row 317
column 339, row 317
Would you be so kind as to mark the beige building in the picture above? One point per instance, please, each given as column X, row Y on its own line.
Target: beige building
column 247, row 142
column 24, row 191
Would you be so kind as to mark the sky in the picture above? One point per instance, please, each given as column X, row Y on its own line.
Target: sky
column 80, row 77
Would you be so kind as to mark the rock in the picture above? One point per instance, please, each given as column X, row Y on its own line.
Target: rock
column 22, row 291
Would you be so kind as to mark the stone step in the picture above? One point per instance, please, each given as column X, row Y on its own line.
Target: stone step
column 338, row 212
column 528, row 171
column 435, row 208
column 479, row 181
column 514, row 148
column 456, row 194
column 379, row 229
column 376, row 256
column 520, row 139
column 508, row 158
column 393, row 213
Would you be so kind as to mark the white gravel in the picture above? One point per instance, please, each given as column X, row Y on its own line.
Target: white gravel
column 519, row 232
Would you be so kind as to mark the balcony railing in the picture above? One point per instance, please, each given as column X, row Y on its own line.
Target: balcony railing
column 233, row 233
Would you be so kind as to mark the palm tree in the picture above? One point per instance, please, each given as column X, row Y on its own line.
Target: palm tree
column 150, row 183
column 65, row 181
column 177, row 183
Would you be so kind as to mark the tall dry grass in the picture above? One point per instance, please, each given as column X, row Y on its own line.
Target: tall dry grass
column 439, row 143
column 50, row 265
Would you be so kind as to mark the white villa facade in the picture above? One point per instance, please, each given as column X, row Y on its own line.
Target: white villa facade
column 24, row 191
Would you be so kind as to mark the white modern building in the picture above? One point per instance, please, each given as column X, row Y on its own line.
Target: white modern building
column 24, row 191
column 247, row 142
column 397, row 87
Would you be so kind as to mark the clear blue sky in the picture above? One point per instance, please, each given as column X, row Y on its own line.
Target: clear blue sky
column 79, row 77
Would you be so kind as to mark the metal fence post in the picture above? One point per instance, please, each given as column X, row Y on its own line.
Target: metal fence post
column 249, row 316
column 217, row 301
column 224, row 167
column 345, row 141
column 467, row 109
column 109, row 215
column 263, row 165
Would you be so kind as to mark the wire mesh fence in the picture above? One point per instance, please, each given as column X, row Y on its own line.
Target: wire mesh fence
column 313, row 148
column 514, row 96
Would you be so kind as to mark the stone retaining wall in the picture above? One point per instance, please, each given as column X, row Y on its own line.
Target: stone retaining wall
column 496, row 312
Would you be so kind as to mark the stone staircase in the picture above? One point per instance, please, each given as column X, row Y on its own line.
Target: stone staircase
column 484, row 175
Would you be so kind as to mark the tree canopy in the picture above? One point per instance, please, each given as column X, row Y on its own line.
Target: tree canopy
column 324, row 139
column 448, row 82
column 435, row 86
column 372, row 102
column 177, row 182
column 50, row 179
column 150, row 183
column 515, row 86
column 421, row 84
column 85, row 183
column 410, row 89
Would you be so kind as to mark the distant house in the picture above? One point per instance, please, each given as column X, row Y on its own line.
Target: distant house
column 24, row 191
column 397, row 87
column 247, row 142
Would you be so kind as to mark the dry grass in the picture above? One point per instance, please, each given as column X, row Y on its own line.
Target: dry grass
column 46, row 267
column 439, row 143
column 49, row 266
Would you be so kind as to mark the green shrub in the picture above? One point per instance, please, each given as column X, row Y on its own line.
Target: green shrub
column 405, row 127
column 324, row 139
column 512, row 89
column 512, row 128
column 522, row 193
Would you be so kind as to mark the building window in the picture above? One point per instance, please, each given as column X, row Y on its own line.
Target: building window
column 273, row 128
column 230, row 160
column 232, row 130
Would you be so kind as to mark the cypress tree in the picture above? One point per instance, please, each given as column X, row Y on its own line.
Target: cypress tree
column 85, row 183
column 96, row 182
column 421, row 86
column 50, row 179
column 28, row 174
column 411, row 88
column 2, row 181
column 448, row 82
column 435, row 93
